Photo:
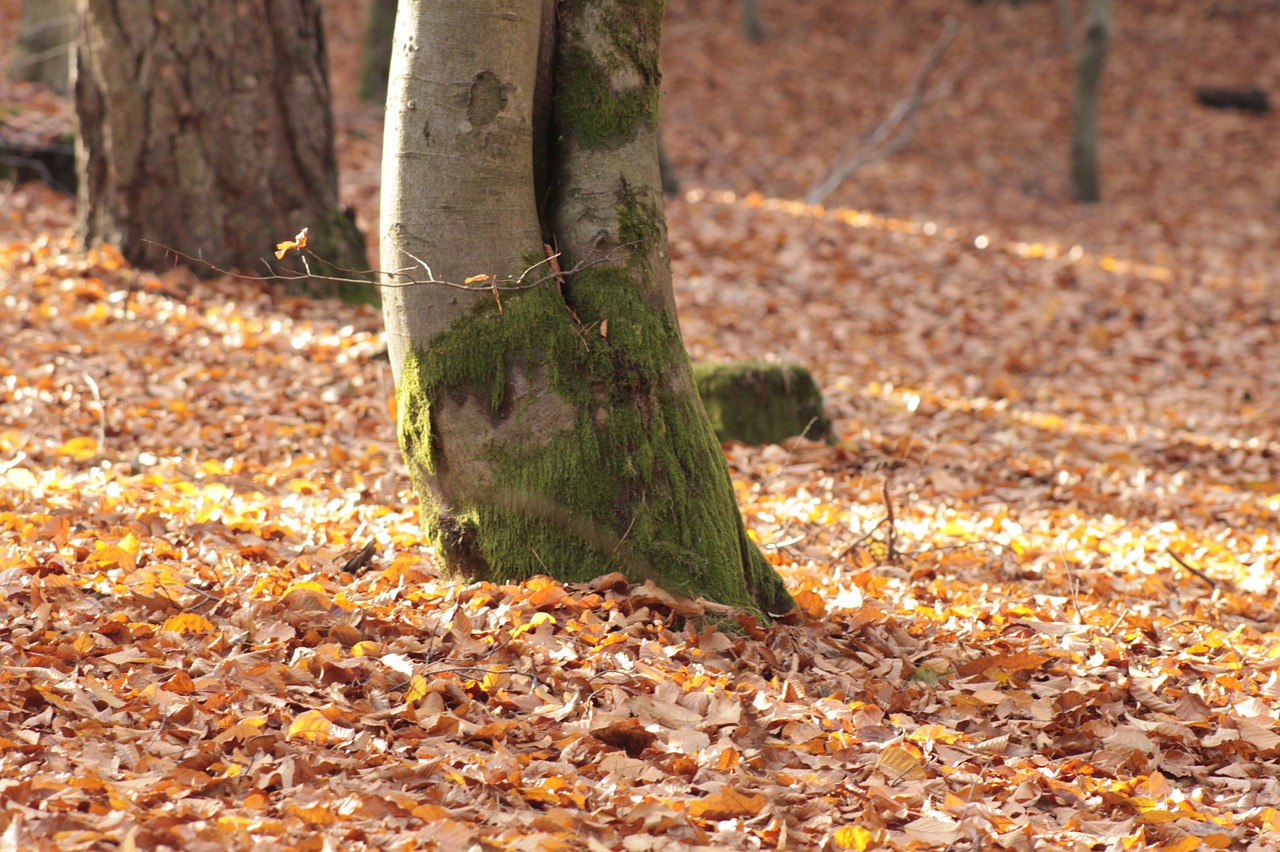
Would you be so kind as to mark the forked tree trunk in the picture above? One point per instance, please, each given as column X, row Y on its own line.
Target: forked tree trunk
column 207, row 128
column 1084, row 114
column 550, row 426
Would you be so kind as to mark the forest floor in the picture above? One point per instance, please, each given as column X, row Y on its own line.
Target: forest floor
column 1038, row 567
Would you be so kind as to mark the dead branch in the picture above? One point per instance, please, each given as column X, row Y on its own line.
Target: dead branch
column 895, row 132
column 1190, row 568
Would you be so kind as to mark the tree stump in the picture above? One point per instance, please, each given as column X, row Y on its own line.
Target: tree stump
column 761, row 403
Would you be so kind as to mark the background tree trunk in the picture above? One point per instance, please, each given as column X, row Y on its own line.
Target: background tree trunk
column 752, row 26
column 554, row 428
column 45, row 40
column 375, row 60
column 207, row 128
column 1084, row 114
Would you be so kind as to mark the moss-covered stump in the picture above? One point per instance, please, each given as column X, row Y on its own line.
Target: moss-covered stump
column 761, row 403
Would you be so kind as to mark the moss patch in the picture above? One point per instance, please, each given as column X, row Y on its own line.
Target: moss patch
column 587, row 107
column 761, row 403
column 592, row 102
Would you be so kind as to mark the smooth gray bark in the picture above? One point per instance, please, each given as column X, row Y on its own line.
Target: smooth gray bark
column 457, row 173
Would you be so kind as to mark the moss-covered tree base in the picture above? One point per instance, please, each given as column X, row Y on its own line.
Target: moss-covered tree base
column 761, row 403
column 610, row 468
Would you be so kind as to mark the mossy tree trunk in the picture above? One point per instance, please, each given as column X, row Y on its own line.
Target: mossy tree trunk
column 552, row 427
column 1084, row 114
column 207, row 128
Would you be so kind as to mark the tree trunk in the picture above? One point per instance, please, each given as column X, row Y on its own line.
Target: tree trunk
column 45, row 36
column 207, row 128
column 752, row 27
column 375, row 60
column 1084, row 114
column 551, row 425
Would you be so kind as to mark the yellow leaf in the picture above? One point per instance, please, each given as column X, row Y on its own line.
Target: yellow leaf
column 80, row 449
column 310, row 725
column 476, row 278
column 417, row 689
column 538, row 618
column 189, row 622
column 854, row 838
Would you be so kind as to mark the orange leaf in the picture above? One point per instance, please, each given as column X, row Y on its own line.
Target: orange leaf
column 189, row 622
column 298, row 242
column 80, row 449
column 310, row 725
column 727, row 804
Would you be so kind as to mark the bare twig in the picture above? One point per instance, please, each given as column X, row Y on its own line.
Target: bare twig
column 486, row 283
column 102, row 410
column 880, row 143
column 891, row 544
column 1196, row 571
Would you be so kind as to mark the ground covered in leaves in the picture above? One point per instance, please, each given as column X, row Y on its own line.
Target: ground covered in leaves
column 1038, row 566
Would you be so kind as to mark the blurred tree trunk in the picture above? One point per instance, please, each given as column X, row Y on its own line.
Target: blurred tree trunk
column 375, row 59
column 752, row 27
column 45, row 37
column 1084, row 114
column 552, row 427
column 207, row 128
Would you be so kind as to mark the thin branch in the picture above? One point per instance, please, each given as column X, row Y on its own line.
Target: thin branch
column 102, row 410
column 880, row 143
column 1196, row 571
column 892, row 555
column 491, row 283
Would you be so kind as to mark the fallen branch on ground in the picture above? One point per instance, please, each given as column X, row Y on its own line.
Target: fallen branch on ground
column 882, row 143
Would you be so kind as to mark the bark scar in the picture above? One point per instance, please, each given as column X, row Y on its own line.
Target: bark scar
column 486, row 99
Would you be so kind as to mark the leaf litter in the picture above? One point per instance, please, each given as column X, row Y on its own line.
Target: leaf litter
column 1036, row 569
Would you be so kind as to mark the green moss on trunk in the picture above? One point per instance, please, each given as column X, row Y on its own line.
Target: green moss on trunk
column 637, row 483
column 588, row 105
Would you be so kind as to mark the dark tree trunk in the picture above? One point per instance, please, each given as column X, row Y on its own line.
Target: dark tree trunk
column 207, row 128
column 375, row 59
column 752, row 27
column 1084, row 113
